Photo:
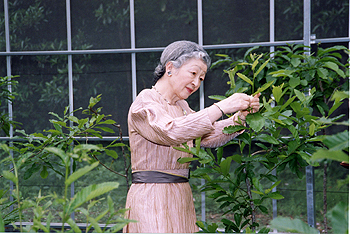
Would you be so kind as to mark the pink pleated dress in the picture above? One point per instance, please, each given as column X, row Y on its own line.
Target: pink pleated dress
column 154, row 128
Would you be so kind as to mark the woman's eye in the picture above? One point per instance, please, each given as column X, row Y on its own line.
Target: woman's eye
column 201, row 79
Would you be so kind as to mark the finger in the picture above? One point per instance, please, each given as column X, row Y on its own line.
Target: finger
column 257, row 95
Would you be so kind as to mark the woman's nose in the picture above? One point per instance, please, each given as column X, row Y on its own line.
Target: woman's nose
column 196, row 82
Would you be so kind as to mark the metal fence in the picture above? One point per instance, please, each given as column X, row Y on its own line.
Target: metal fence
column 133, row 51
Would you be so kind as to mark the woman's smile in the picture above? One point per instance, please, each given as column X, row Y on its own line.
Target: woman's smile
column 189, row 90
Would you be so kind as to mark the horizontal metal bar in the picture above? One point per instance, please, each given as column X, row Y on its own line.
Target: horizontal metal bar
column 159, row 49
column 104, row 138
column 330, row 40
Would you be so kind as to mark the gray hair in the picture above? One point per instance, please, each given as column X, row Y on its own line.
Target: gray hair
column 178, row 53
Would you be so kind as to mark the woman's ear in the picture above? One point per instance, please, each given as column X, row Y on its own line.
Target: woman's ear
column 169, row 67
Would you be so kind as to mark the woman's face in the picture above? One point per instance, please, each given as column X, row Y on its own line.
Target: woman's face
column 187, row 79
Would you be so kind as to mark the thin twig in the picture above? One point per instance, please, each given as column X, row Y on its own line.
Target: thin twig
column 123, row 152
column 108, row 167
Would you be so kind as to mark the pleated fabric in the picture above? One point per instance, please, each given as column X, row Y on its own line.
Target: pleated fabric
column 154, row 128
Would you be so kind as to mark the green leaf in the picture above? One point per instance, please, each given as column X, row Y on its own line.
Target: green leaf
column 340, row 95
column 29, row 172
column 111, row 153
column 277, row 92
column 231, row 74
column 183, row 149
column 94, row 133
column 10, row 176
column 334, row 107
column 339, row 141
column 106, row 129
column 73, row 225
column 295, row 61
column 89, row 193
column 322, row 72
column 108, row 121
column 186, row 159
column 294, row 82
column 263, row 209
column 238, row 219
column 258, row 192
column 256, row 121
column 290, row 100
column 275, row 195
column 282, row 73
column 237, row 158
column 95, row 224
column 339, row 156
column 273, row 186
column 219, row 153
column 117, row 145
column 225, row 166
column 300, row 95
column 260, row 68
column 73, row 119
column 217, row 97
column 338, row 216
column 246, row 79
column 292, row 225
column 2, row 224
column 257, row 184
column 233, row 128
column 256, row 62
column 267, row 138
column 44, row 173
column 312, row 129
column 202, row 171
column 332, row 66
column 85, row 148
column 79, row 173
column 264, row 87
column 57, row 152
column 294, row 132
column 198, row 144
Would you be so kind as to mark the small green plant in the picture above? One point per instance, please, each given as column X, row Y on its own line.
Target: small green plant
column 38, row 151
column 84, row 196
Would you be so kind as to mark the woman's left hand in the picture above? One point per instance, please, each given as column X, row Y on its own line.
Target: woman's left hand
column 254, row 107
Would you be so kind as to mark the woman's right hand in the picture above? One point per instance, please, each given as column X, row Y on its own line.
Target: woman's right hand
column 234, row 103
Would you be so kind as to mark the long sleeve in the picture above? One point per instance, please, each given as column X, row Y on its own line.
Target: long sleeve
column 216, row 137
column 153, row 121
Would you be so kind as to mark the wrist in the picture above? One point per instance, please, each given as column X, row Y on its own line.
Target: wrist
column 222, row 112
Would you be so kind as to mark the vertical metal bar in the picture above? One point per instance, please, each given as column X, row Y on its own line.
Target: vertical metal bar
column 201, row 91
column 9, row 74
column 310, row 196
column 70, row 84
column 307, row 24
column 272, row 49
column 309, row 170
column 133, row 45
column 272, row 24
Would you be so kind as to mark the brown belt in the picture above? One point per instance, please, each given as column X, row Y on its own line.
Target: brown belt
column 156, row 177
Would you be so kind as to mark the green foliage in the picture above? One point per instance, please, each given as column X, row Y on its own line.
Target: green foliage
column 38, row 151
column 338, row 216
column 6, row 94
column 293, row 226
column 294, row 86
column 6, row 217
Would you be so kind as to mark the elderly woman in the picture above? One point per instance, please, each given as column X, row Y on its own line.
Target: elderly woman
column 160, row 197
